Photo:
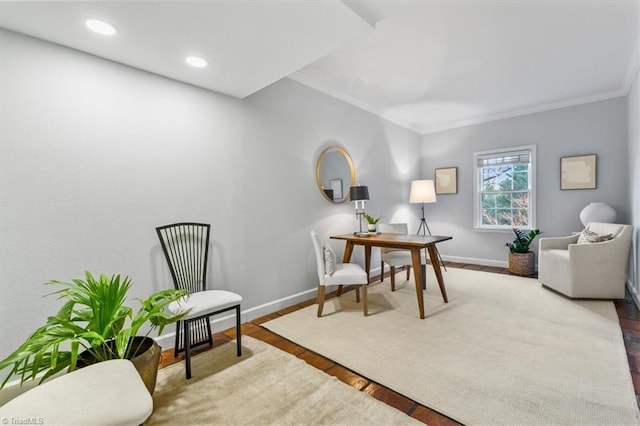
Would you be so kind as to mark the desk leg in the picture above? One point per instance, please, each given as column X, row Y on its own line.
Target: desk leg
column 348, row 249
column 417, row 272
column 433, row 255
column 367, row 260
column 346, row 257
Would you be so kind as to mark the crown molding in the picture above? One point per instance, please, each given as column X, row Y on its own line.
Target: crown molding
column 525, row 111
column 335, row 93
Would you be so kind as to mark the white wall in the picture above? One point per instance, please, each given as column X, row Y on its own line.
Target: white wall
column 95, row 155
column 633, row 102
column 595, row 128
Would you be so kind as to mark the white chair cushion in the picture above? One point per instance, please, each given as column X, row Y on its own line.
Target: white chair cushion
column 401, row 258
column 106, row 393
column 205, row 302
column 347, row 273
column 329, row 259
column 392, row 228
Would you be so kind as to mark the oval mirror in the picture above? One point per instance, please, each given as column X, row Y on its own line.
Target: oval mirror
column 335, row 174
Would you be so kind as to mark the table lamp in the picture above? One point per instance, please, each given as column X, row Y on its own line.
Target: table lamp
column 358, row 194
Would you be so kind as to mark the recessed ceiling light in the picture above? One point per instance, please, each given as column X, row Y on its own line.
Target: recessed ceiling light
column 100, row 27
column 196, row 61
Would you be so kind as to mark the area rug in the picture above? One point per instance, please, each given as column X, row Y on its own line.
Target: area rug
column 265, row 386
column 503, row 351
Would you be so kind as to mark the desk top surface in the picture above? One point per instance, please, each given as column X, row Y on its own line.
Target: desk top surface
column 393, row 240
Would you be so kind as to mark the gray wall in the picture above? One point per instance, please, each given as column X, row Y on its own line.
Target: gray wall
column 95, row 155
column 634, row 182
column 596, row 128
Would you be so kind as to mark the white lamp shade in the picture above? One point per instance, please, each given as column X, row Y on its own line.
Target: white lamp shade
column 422, row 191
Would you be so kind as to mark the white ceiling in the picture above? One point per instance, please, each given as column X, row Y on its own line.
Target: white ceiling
column 426, row 65
column 248, row 45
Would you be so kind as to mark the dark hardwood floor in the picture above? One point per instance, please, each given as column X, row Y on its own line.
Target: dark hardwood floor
column 628, row 315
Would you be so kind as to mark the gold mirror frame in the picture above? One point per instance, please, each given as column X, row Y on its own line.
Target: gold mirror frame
column 352, row 172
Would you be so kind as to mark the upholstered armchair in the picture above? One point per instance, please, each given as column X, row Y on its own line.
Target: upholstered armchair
column 592, row 264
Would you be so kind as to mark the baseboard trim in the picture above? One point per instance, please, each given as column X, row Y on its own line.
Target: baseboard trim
column 221, row 323
column 476, row 261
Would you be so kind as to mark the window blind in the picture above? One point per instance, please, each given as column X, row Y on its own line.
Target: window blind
column 505, row 159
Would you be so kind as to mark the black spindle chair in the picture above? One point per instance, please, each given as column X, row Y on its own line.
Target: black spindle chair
column 186, row 248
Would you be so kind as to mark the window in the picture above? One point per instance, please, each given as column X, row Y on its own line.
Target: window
column 504, row 182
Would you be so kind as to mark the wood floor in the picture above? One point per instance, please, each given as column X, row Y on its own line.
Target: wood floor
column 628, row 315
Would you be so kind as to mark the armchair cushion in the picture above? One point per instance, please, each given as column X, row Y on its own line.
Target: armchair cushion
column 588, row 237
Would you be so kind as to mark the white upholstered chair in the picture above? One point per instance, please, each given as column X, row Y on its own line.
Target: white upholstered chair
column 108, row 393
column 595, row 270
column 332, row 273
column 396, row 257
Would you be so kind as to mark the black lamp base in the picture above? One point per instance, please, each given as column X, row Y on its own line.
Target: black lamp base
column 423, row 229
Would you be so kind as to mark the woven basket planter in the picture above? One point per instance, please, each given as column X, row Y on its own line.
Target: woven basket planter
column 522, row 263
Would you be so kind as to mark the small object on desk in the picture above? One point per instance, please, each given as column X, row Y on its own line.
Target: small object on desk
column 361, row 234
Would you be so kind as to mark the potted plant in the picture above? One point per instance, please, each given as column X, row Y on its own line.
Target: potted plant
column 521, row 260
column 94, row 325
column 371, row 227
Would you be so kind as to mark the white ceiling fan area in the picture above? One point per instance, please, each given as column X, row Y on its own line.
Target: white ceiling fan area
column 426, row 65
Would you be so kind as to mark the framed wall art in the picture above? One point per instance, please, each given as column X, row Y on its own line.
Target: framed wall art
column 447, row 180
column 578, row 172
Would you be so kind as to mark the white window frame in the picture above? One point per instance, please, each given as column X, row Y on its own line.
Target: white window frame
column 477, row 199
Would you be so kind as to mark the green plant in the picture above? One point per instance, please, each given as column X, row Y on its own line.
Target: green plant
column 372, row 220
column 523, row 240
column 92, row 319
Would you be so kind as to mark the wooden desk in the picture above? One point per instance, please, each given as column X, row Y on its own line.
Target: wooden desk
column 413, row 243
